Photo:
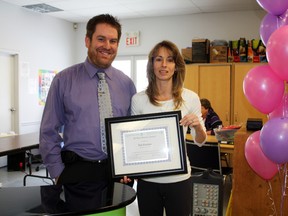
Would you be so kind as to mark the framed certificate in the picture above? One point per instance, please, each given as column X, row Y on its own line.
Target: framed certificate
column 146, row 145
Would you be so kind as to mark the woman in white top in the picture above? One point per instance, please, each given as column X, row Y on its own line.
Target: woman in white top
column 165, row 92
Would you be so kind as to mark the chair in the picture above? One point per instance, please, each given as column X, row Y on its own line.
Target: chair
column 29, row 165
column 206, row 157
column 224, row 158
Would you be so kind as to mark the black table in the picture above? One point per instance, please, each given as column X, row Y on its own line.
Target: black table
column 21, row 144
column 71, row 199
column 18, row 143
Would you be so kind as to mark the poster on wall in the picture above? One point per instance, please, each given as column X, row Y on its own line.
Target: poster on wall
column 45, row 79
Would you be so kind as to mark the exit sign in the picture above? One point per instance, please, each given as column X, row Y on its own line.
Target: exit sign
column 132, row 38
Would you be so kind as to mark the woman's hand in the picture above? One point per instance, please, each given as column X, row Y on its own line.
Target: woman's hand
column 190, row 120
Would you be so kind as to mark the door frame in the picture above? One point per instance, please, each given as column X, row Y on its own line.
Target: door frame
column 15, row 85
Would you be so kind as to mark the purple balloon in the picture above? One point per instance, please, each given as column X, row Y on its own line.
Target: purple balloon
column 283, row 19
column 274, row 140
column 268, row 25
column 274, row 7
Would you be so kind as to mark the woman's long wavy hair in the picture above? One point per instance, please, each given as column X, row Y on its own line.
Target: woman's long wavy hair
column 178, row 77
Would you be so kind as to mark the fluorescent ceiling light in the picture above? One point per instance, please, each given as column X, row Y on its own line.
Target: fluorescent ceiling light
column 42, row 8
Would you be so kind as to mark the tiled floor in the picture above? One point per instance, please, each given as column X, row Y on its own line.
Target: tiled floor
column 15, row 179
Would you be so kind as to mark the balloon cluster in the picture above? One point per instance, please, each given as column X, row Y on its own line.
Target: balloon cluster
column 276, row 17
column 264, row 87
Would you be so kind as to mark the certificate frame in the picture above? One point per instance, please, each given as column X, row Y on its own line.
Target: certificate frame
column 146, row 145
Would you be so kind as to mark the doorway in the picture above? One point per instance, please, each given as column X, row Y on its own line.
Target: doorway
column 9, row 114
column 9, row 92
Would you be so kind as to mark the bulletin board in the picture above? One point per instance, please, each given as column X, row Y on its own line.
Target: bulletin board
column 45, row 79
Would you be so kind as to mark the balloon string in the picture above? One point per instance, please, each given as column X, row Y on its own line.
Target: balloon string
column 284, row 186
column 278, row 21
column 285, row 102
column 270, row 195
column 280, row 175
column 285, row 179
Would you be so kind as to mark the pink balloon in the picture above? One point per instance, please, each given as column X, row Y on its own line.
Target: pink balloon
column 281, row 110
column 263, row 89
column 277, row 52
column 274, row 7
column 274, row 140
column 264, row 167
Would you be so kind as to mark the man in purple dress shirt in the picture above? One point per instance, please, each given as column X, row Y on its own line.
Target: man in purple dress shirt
column 72, row 105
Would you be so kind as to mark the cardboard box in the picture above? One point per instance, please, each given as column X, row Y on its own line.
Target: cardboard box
column 187, row 55
column 200, row 50
column 218, row 54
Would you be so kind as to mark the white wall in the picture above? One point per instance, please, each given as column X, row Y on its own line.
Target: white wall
column 42, row 42
column 48, row 43
column 182, row 29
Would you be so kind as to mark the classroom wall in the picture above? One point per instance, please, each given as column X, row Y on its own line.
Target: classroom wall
column 182, row 29
column 44, row 42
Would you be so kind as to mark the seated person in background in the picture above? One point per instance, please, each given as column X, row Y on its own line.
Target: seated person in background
column 209, row 116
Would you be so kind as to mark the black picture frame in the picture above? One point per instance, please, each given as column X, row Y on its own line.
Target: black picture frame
column 146, row 145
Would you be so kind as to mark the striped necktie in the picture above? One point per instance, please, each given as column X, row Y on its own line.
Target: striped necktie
column 105, row 107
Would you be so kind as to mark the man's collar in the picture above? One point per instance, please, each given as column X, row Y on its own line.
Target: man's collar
column 92, row 69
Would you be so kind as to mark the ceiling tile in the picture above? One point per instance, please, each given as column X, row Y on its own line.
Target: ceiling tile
column 82, row 10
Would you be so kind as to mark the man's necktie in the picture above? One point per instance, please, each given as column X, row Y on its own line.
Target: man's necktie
column 105, row 107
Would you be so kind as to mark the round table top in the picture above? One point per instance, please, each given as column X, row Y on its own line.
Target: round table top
column 70, row 199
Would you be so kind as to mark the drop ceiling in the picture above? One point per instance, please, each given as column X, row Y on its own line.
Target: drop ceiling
column 78, row 11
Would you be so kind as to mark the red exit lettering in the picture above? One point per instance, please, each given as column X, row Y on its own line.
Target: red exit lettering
column 131, row 41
